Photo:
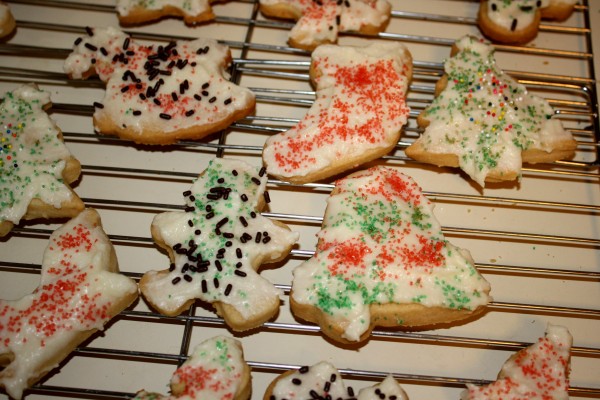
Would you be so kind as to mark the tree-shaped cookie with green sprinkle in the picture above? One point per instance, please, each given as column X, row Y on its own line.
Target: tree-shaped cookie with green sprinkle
column 382, row 260
column 216, row 245
column 485, row 122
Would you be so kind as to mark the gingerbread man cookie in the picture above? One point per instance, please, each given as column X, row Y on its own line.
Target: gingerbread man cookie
column 80, row 291
column 485, row 122
column 518, row 21
column 159, row 94
column 7, row 21
column 216, row 370
column 135, row 12
column 357, row 116
column 382, row 260
column 217, row 244
column 320, row 22
column 323, row 381
column 538, row 372
column 36, row 166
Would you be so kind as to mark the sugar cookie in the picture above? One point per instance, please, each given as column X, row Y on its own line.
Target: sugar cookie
column 359, row 111
column 159, row 94
column 217, row 244
column 518, row 21
column 323, row 381
column 7, row 21
column 382, row 260
column 216, row 370
column 320, row 22
column 135, row 12
column 538, row 372
column 485, row 122
column 36, row 166
column 80, row 291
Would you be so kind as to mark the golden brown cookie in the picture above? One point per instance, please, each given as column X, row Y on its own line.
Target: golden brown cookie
column 320, row 22
column 357, row 116
column 80, row 291
column 37, row 168
column 216, row 246
column 485, row 122
column 159, row 94
column 382, row 260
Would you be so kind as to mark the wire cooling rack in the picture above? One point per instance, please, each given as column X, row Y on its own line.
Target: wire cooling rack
column 537, row 241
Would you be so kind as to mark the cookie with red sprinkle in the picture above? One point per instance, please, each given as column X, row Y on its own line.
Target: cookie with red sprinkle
column 382, row 260
column 80, row 290
column 216, row 246
column 357, row 116
column 538, row 372
column 485, row 122
column 216, row 370
column 320, row 22
column 36, row 166
column 136, row 12
column 159, row 94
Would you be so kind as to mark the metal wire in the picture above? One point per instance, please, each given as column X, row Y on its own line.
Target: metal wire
column 426, row 74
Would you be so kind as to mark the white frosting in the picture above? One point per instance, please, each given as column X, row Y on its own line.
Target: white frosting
column 208, row 99
column 32, row 156
column 360, row 106
column 325, row 381
column 77, row 289
column 323, row 378
column 539, row 371
column 214, row 371
column 249, row 294
column 191, row 7
column 512, row 14
column 485, row 117
column 381, row 244
column 385, row 390
column 321, row 21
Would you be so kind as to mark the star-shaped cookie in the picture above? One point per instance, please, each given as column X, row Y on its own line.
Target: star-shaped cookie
column 216, row 245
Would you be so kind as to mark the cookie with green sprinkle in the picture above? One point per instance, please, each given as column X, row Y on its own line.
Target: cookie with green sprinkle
column 382, row 260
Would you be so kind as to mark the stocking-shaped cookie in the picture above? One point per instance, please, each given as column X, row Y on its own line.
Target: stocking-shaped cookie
column 217, row 244
column 159, row 94
column 518, row 21
column 323, row 381
column 320, row 22
column 79, row 292
column 486, row 122
column 133, row 12
column 538, row 372
column 357, row 116
column 382, row 260
column 36, row 166
column 216, row 370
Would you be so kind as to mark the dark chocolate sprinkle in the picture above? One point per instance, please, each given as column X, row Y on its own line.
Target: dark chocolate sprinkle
column 267, row 197
column 513, row 25
column 258, row 237
column 238, row 253
column 205, row 85
column 176, row 280
column 204, row 286
column 190, row 223
column 327, row 386
column 227, row 101
column 303, row 369
column 137, row 112
column 244, row 197
column 238, row 265
column 244, row 222
column 212, row 99
column 171, row 267
column 218, row 265
column 78, row 40
column 197, row 232
column 297, row 381
column 89, row 31
column 234, row 172
column 255, row 180
column 189, row 113
column 228, row 289
column 98, row 105
column 165, row 116
column 91, row 47
column 174, row 96
column 240, row 273
column 216, row 283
